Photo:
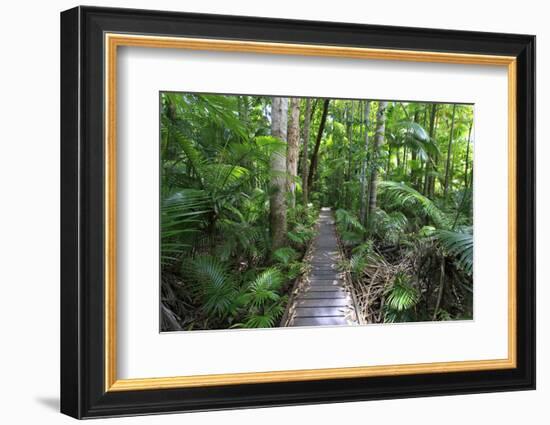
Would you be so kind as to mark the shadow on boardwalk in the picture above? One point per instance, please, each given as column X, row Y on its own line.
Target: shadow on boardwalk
column 322, row 297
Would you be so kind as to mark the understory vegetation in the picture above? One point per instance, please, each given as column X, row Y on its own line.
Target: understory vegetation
column 410, row 247
column 242, row 182
column 220, row 268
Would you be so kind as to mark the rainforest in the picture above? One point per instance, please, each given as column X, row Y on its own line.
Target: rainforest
column 289, row 211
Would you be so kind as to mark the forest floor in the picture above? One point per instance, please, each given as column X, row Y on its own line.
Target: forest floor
column 322, row 297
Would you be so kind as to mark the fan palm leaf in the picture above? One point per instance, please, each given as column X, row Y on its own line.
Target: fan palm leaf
column 460, row 245
column 401, row 195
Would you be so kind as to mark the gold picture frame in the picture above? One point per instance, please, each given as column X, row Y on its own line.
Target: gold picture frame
column 114, row 41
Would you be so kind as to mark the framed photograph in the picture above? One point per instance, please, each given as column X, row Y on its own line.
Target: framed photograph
column 261, row 212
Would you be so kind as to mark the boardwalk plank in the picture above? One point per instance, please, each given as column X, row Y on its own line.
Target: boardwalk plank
column 323, row 294
column 327, row 282
column 324, row 301
column 320, row 321
column 326, row 288
column 320, row 311
column 321, row 302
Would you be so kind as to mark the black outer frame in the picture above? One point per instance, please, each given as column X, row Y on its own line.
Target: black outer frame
column 82, row 206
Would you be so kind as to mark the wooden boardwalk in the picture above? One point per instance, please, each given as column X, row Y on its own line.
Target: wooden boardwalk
column 323, row 297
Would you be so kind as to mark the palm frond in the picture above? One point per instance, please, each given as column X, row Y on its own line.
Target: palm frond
column 400, row 195
column 264, row 288
column 402, row 295
column 212, row 283
column 285, row 255
column 460, row 245
column 182, row 215
column 348, row 222
column 357, row 263
column 389, row 226
column 301, row 235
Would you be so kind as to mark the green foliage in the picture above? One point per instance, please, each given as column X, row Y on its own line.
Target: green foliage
column 401, row 297
column 348, row 221
column 219, row 269
column 349, row 226
column 401, row 196
column 413, row 136
column 362, row 256
column 264, row 288
column 301, row 235
column 389, row 228
column 183, row 214
column 240, row 304
column 213, row 284
column 460, row 245
column 263, row 302
column 285, row 255
column 295, row 269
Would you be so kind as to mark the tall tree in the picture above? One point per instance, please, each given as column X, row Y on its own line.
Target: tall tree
column 293, row 148
column 315, row 156
column 378, row 140
column 449, row 153
column 242, row 105
column 435, row 162
column 429, row 160
column 347, row 188
column 350, row 139
column 468, row 154
column 307, row 118
column 277, row 204
column 466, row 189
column 363, row 209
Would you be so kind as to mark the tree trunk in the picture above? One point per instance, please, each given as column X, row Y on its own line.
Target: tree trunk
column 468, row 155
column 277, row 205
column 347, row 187
column 293, row 148
column 435, row 163
column 314, row 158
column 243, row 108
column 449, row 153
column 363, row 208
column 441, row 289
column 427, row 177
column 464, row 194
column 388, row 163
column 350, row 140
column 313, row 109
column 378, row 139
column 307, row 118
